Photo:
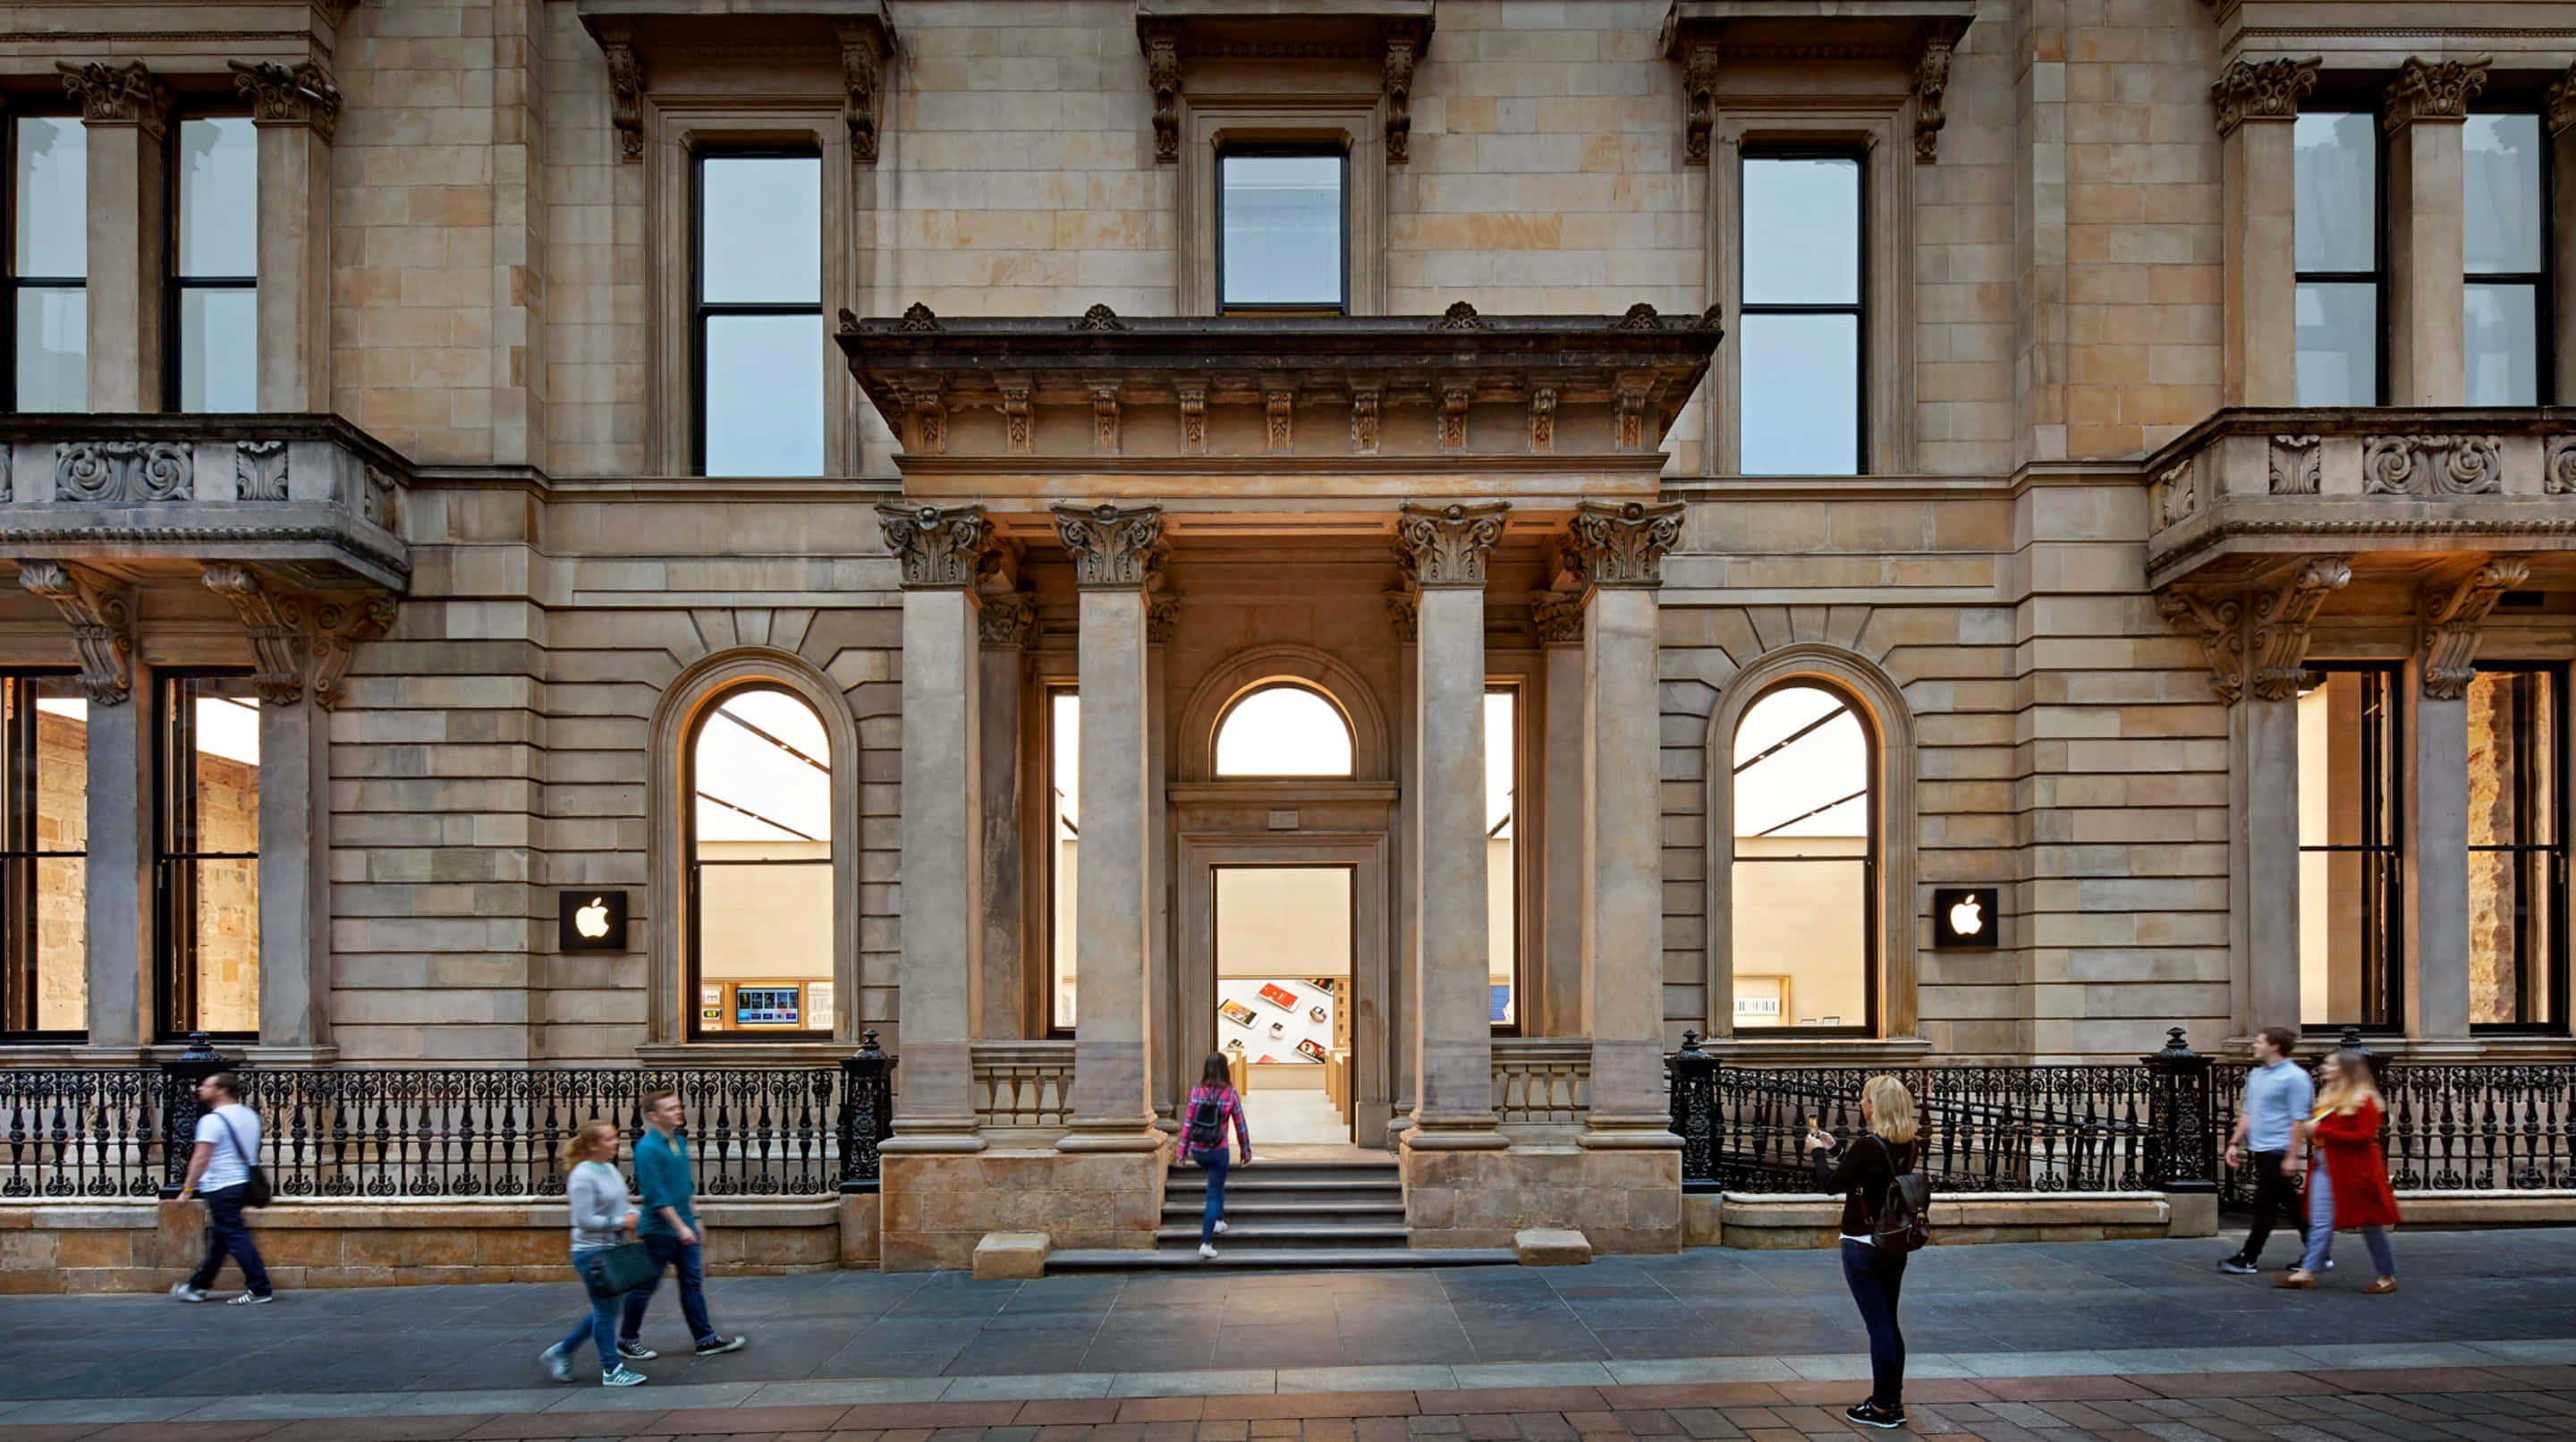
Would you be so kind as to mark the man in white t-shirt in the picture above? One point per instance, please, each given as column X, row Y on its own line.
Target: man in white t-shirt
column 219, row 1174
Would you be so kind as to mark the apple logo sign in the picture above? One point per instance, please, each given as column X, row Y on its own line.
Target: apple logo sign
column 1965, row 916
column 590, row 921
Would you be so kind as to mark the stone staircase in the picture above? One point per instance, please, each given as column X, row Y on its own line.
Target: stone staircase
column 1287, row 1215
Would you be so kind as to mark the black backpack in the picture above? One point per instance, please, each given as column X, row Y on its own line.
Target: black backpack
column 1904, row 1221
column 1207, row 1124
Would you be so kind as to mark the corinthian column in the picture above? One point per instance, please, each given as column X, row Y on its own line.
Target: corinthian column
column 126, row 113
column 2426, row 112
column 2258, row 107
column 1445, row 548
column 295, row 109
column 1117, row 552
column 1619, row 554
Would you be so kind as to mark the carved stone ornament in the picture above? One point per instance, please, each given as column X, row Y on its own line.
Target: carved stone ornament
column 102, row 620
column 863, row 57
column 1713, row 318
column 1162, row 618
column 1104, row 419
column 2276, row 636
column 2297, row 465
column 2451, row 615
column 917, row 318
column 1099, row 317
column 1364, row 404
column 1016, row 419
column 1114, row 547
column 1640, row 316
column 625, row 90
column 1460, row 316
column 2213, row 618
column 2560, row 103
column 259, row 470
column 117, row 94
column 939, row 547
column 1931, row 78
column 1454, row 403
column 1193, row 420
column 1161, row 40
column 1557, row 617
column 849, row 321
column 2263, row 90
column 1629, row 397
column 1279, row 412
column 2558, row 478
column 302, row 94
column 302, row 641
column 379, row 504
column 1622, row 543
column 1448, row 545
column 2439, row 91
column 929, row 412
column 1405, row 41
column 1404, row 614
column 2175, row 494
column 1699, row 89
column 1007, row 618
column 1542, row 420
column 2431, row 465
column 124, row 473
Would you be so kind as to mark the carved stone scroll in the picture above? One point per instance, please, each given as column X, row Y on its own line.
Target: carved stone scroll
column 2440, row 90
column 1557, row 617
column 2276, row 638
column 1193, row 420
column 1404, row 614
column 2214, row 619
column 1104, row 419
column 939, row 547
column 1454, row 401
column 1405, row 42
column 863, row 58
column 1448, row 545
column 1699, row 88
column 1114, row 547
column 2432, row 465
column 2560, row 103
column 302, row 641
column 1622, row 544
column 2450, row 616
column 1006, row 618
column 2297, row 465
column 2176, row 494
column 1162, row 618
column 2558, row 478
column 1931, row 78
column 301, row 94
column 625, row 89
column 117, row 94
column 2263, row 90
column 1161, row 40
column 1016, row 419
column 125, row 473
column 259, row 470
column 101, row 616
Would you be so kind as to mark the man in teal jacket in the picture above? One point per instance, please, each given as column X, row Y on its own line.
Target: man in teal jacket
column 669, row 1231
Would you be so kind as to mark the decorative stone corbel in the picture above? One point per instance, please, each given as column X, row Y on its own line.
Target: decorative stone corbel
column 1455, row 398
column 1364, row 404
column 929, row 412
column 2276, row 637
column 1628, row 392
column 1114, row 547
column 117, row 94
column 1279, row 411
column 1542, row 419
column 302, row 641
column 1621, row 543
column 1404, row 613
column 1405, row 41
column 625, row 88
column 1161, row 41
column 1931, row 78
column 2450, row 615
column 101, row 616
column 1699, row 87
column 1193, row 420
column 1104, row 419
column 281, row 95
column 939, row 547
column 1557, row 617
column 2213, row 618
column 2263, row 90
column 1162, row 618
column 1448, row 545
column 2440, row 90
column 865, row 47
column 1015, row 415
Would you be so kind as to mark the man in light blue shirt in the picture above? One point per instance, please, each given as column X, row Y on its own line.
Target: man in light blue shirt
column 2278, row 1096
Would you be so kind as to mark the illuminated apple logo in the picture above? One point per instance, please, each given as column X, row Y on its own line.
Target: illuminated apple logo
column 592, row 920
column 1964, row 920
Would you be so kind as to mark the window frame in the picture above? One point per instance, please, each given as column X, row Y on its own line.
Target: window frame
column 175, row 986
column 692, row 943
column 16, row 283
column 1873, row 871
column 2556, row 959
column 19, row 948
column 1524, row 856
column 174, row 284
column 2390, row 894
column 1350, row 734
column 700, row 309
column 2544, row 281
column 1254, row 149
column 1050, row 693
column 1859, row 155
column 2351, row 103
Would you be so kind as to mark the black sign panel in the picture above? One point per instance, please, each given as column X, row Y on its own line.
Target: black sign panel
column 1964, row 916
column 590, row 920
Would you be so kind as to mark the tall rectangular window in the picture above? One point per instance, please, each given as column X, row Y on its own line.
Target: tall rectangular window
column 1801, row 320
column 1283, row 225
column 49, row 263
column 758, row 313
column 2351, row 874
column 44, row 846
column 1064, row 844
column 2517, row 848
column 1502, row 871
column 206, row 853
column 2335, row 237
column 214, row 264
column 2505, row 247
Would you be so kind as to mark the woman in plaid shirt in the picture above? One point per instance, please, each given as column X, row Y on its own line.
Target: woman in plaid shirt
column 1203, row 1123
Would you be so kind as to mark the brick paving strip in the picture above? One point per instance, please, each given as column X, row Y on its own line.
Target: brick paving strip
column 2489, row 1404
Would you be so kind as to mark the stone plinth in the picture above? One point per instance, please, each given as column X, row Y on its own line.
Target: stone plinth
column 939, row 1208
column 1011, row 1256
column 1552, row 1247
column 1789, row 1222
column 1624, row 1202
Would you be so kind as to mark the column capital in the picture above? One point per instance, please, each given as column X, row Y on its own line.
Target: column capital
column 1162, row 618
column 2263, row 90
column 1404, row 614
column 303, row 641
column 1557, row 616
column 2255, row 638
column 302, row 94
column 1448, row 545
column 2559, row 104
column 2450, row 614
column 1006, row 618
column 101, row 615
column 1115, row 548
column 117, row 94
column 2439, row 90
column 1622, row 544
column 946, row 548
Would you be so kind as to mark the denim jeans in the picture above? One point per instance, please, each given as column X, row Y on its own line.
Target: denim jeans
column 227, row 1233
column 2274, row 1193
column 601, row 1325
column 2321, row 1230
column 668, row 1251
column 1213, row 1161
column 1875, row 1278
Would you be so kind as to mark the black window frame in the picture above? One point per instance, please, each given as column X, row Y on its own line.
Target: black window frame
column 701, row 310
column 17, row 283
column 20, row 981
column 2544, row 281
column 1271, row 149
column 174, row 931
column 2343, row 102
column 1859, row 307
column 2385, row 761
column 1519, row 1023
column 174, row 284
column 1048, row 694
column 694, row 944
column 2526, row 775
column 1872, row 871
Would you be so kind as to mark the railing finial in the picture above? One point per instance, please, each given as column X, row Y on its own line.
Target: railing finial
column 1690, row 1042
column 2175, row 1045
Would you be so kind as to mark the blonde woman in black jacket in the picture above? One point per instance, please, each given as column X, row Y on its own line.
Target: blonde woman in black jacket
column 1863, row 1174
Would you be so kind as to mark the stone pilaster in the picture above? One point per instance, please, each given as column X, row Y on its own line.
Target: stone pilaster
column 101, row 618
column 126, row 113
column 1557, row 1009
column 1167, row 1070
column 2436, row 840
column 295, row 109
column 943, row 551
column 2258, row 105
column 1445, row 548
column 2424, row 112
column 1117, row 553
column 1002, row 631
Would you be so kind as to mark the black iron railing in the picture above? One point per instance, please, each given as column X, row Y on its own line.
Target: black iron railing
column 94, row 1132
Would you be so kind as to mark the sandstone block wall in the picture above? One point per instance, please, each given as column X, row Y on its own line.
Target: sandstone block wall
column 1622, row 1201
column 936, row 1208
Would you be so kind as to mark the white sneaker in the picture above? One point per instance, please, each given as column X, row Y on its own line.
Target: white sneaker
column 1220, row 1226
column 558, row 1363
column 186, row 1293
column 252, row 1299
column 1207, row 1253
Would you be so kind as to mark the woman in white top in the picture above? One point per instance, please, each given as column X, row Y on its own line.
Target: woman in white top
column 601, row 1214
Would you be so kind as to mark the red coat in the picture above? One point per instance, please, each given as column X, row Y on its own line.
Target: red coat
column 2355, row 1168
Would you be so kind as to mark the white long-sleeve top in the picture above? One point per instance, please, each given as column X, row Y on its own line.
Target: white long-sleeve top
column 599, row 1205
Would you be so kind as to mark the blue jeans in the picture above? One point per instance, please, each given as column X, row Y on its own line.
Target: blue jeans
column 1214, row 1162
column 667, row 1251
column 228, row 1234
column 2321, row 1231
column 601, row 1325
column 1875, row 1279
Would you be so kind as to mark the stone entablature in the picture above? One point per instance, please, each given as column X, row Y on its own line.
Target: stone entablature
column 200, row 42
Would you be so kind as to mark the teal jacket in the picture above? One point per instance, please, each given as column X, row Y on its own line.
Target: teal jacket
column 662, row 1174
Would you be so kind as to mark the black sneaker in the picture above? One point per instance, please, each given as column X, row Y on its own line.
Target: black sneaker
column 2236, row 1266
column 636, row 1352
column 1870, row 1414
column 717, row 1346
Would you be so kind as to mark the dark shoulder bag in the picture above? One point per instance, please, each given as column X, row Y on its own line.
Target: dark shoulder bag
column 256, row 1191
column 1904, row 1222
column 619, row 1270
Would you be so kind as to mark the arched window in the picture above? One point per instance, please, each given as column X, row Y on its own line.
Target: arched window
column 1283, row 730
column 1804, row 884
column 759, row 779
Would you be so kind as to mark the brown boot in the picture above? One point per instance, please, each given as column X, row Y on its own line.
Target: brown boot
column 2301, row 1280
column 2382, row 1286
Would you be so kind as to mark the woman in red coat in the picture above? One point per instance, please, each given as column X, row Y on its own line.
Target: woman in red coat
column 2348, row 1190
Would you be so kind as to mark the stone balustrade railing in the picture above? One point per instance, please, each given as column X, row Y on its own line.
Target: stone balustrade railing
column 1024, row 1085
column 1542, row 1081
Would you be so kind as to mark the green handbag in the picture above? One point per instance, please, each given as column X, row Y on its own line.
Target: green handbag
column 619, row 1270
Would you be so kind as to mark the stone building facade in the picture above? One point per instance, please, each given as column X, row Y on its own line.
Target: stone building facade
column 2127, row 426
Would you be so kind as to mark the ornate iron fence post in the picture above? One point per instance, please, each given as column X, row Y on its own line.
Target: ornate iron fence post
column 1694, row 1099
column 867, row 1112
column 2181, row 1151
column 180, row 1107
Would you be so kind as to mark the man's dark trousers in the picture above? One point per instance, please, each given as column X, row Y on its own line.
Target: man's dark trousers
column 669, row 1251
column 2274, row 1191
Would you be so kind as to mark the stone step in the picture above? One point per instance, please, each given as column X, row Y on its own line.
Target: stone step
column 1280, row 1259
column 1238, row 1207
column 1289, row 1234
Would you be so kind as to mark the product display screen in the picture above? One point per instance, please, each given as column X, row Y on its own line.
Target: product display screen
column 765, row 1006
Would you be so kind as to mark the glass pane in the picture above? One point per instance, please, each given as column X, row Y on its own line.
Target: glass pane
column 53, row 350
column 2510, row 944
column 1282, row 229
column 51, row 202
column 1502, row 891
column 1801, row 395
column 763, row 772
column 219, row 350
column 47, row 985
column 227, row 914
column 2335, row 193
column 1801, row 944
column 761, row 230
column 2501, row 336
column 1283, row 969
column 2500, row 229
column 764, row 942
column 2338, row 344
column 2348, row 899
column 1283, row 731
column 62, row 943
column 1802, row 776
column 764, row 395
column 2513, row 782
column 1064, row 842
column 218, row 806
column 1801, row 232
column 218, row 197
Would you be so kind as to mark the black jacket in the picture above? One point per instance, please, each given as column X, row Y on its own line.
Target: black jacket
column 1862, row 1175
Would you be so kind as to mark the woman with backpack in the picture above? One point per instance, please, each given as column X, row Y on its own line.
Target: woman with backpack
column 1882, row 1222
column 2348, row 1182
column 1203, row 1121
column 601, row 1214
